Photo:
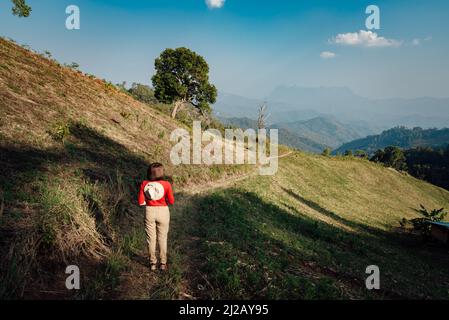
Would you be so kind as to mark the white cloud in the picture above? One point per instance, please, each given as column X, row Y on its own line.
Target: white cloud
column 327, row 55
column 215, row 4
column 364, row 39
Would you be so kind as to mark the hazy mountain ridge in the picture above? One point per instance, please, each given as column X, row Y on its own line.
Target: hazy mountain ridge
column 326, row 131
column 290, row 103
column 315, row 118
column 313, row 135
column 345, row 105
column 401, row 137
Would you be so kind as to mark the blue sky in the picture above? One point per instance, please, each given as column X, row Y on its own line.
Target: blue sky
column 253, row 46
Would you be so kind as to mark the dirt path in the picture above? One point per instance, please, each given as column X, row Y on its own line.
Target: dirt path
column 227, row 182
column 138, row 282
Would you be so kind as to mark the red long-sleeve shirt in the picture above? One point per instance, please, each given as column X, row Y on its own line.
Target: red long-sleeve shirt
column 164, row 194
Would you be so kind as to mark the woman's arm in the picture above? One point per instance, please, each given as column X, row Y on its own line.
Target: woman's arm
column 141, row 197
column 170, row 197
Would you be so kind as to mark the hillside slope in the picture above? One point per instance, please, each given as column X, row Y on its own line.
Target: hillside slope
column 311, row 231
column 73, row 150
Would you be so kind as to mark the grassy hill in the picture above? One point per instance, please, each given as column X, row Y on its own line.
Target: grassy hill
column 73, row 150
column 311, row 231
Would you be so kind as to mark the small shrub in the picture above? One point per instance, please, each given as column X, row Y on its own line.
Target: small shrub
column 60, row 131
column 122, row 87
column 125, row 115
column 326, row 152
column 422, row 224
column 144, row 125
column 361, row 154
column 73, row 65
column 109, row 86
column 48, row 54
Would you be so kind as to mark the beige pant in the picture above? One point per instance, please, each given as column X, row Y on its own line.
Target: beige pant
column 157, row 221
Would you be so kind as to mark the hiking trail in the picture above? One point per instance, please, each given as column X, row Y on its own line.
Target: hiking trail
column 138, row 282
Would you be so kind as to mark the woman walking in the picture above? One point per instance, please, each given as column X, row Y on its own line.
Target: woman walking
column 156, row 194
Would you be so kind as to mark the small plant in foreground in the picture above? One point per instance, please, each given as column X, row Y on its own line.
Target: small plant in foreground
column 326, row 152
column 61, row 131
column 109, row 85
column 47, row 54
column 125, row 115
column 73, row 65
column 422, row 224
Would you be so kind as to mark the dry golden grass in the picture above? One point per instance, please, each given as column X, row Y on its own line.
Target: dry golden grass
column 73, row 149
column 359, row 190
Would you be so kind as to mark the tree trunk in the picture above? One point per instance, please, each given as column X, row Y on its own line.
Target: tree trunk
column 175, row 109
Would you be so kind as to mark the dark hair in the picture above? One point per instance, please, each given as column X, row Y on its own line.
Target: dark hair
column 155, row 172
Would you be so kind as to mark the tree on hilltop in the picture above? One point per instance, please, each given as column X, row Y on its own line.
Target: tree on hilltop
column 182, row 76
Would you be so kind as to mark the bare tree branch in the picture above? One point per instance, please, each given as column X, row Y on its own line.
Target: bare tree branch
column 262, row 117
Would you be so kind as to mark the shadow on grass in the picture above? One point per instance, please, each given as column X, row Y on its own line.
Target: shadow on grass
column 256, row 250
column 87, row 154
column 97, row 154
column 332, row 215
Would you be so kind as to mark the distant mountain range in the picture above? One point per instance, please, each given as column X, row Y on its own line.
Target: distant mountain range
column 325, row 131
column 315, row 118
column 312, row 135
column 401, row 137
column 290, row 104
column 286, row 137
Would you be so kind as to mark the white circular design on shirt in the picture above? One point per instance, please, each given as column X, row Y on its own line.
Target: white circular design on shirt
column 154, row 191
